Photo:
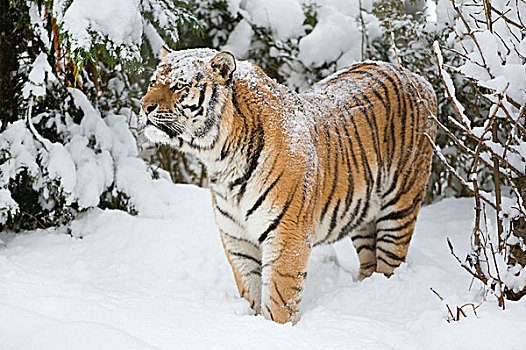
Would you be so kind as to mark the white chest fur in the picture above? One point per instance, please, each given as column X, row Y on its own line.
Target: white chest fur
column 231, row 212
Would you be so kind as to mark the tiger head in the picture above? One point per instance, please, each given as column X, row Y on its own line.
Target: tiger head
column 186, row 97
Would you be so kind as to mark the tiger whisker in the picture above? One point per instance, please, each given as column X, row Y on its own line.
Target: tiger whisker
column 161, row 117
column 175, row 128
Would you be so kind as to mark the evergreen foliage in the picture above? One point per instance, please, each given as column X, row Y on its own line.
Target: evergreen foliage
column 66, row 92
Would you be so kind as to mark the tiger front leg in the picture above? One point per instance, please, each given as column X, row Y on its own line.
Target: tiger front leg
column 245, row 259
column 285, row 257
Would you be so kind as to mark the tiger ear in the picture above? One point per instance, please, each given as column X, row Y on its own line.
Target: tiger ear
column 165, row 50
column 224, row 64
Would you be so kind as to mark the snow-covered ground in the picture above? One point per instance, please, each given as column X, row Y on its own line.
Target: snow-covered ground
column 164, row 283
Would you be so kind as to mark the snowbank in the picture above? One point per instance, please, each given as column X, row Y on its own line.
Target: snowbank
column 164, row 283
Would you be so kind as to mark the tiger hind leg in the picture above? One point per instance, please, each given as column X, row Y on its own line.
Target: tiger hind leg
column 364, row 241
column 395, row 228
column 396, row 220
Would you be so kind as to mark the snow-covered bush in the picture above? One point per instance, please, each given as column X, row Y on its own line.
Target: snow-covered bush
column 67, row 140
column 295, row 41
column 490, row 39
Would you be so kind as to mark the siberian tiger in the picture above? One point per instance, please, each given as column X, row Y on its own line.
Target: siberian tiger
column 288, row 171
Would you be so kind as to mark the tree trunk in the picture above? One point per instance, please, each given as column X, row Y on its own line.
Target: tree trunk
column 14, row 22
column 518, row 227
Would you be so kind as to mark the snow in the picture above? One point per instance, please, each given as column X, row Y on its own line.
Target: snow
column 36, row 15
column 163, row 282
column 450, row 87
column 61, row 167
column 515, row 278
column 239, row 40
column 7, row 204
column 119, row 25
column 22, row 148
column 183, row 64
column 503, row 60
column 345, row 37
column 35, row 84
column 283, row 17
column 155, row 40
column 120, row 20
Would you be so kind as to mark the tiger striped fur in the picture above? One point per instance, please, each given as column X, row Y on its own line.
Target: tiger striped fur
column 288, row 171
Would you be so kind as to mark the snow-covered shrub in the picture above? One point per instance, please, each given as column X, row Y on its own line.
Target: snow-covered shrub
column 296, row 42
column 490, row 39
column 68, row 141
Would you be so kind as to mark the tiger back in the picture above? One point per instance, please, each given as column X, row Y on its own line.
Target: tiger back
column 288, row 171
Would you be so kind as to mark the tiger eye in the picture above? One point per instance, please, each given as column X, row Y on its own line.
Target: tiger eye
column 177, row 86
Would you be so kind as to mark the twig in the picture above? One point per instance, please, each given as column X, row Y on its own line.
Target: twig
column 496, row 181
column 458, row 35
column 394, row 44
column 459, row 309
column 467, row 130
column 502, row 15
column 450, row 95
column 453, row 172
column 518, row 13
column 45, row 143
column 463, row 265
column 436, row 293
column 499, row 280
column 473, row 306
column 487, row 13
column 472, row 36
column 34, row 218
column 363, row 30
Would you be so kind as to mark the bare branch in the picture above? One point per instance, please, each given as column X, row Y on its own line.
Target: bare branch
column 463, row 265
column 453, row 172
column 472, row 36
column 394, row 44
column 503, row 16
column 44, row 142
column 436, row 293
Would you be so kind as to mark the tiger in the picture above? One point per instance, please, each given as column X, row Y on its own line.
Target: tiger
column 288, row 171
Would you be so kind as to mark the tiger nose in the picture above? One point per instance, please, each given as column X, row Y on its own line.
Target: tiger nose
column 149, row 107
